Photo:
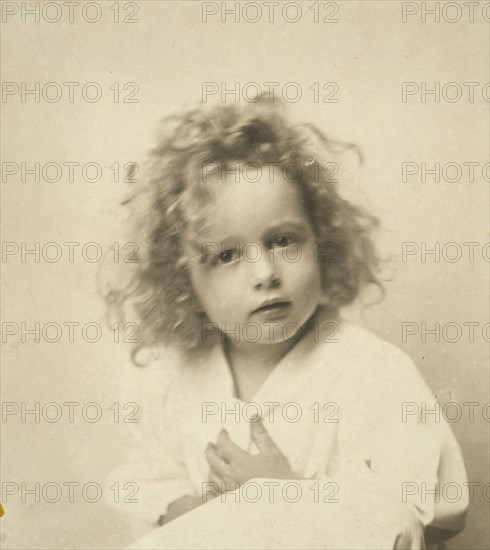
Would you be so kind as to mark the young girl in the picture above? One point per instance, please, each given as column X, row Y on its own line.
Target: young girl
column 247, row 255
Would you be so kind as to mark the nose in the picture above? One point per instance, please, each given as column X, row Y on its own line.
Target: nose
column 265, row 272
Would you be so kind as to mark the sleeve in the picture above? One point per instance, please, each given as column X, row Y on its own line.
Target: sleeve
column 398, row 445
column 153, row 464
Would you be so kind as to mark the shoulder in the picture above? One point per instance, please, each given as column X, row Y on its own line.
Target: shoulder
column 165, row 370
column 364, row 347
column 155, row 371
column 381, row 366
column 367, row 342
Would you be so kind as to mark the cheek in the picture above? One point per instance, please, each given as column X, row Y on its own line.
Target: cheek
column 305, row 272
column 209, row 286
column 313, row 281
column 200, row 285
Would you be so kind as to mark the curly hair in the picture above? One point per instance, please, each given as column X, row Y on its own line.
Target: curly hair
column 171, row 197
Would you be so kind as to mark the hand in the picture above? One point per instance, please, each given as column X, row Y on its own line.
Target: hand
column 412, row 535
column 231, row 466
column 180, row 506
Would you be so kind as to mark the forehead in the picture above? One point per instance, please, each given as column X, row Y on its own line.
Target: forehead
column 253, row 199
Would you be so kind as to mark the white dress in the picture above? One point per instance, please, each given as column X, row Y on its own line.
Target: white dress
column 340, row 410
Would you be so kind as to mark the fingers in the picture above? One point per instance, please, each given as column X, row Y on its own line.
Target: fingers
column 261, row 437
column 411, row 537
column 216, row 462
column 230, row 451
column 213, row 478
column 222, row 485
column 406, row 542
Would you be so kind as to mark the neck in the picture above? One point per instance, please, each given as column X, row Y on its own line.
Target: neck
column 268, row 355
column 263, row 355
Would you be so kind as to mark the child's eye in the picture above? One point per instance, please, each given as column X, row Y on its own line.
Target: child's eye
column 282, row 241
column 227, row 257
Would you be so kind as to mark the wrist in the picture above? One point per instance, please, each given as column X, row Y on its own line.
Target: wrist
column 180, row 506
column 185, row 501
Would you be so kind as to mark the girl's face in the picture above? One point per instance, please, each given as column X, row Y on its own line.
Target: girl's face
column 257, row 275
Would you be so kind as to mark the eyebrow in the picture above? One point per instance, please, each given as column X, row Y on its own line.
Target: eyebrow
column 277, row 227
column 295, row 225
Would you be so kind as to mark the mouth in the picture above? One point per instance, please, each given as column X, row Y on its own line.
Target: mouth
column 276, row 306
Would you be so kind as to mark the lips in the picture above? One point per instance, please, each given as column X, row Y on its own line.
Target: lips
column 273, row 306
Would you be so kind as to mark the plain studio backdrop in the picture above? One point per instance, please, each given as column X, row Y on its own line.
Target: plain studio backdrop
column 158, row 65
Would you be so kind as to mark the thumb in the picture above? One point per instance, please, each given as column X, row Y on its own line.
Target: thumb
column 261, row 437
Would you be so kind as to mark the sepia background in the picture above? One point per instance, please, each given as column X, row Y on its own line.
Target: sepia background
column 156, row 63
